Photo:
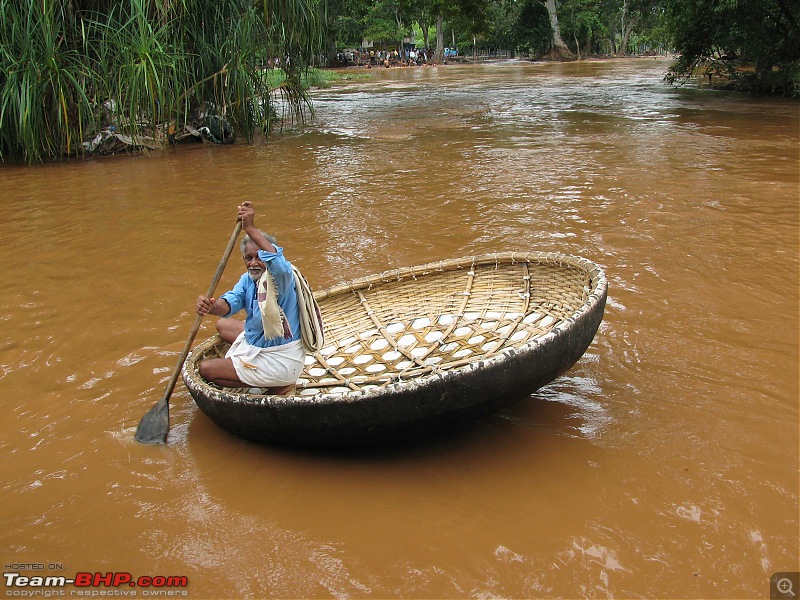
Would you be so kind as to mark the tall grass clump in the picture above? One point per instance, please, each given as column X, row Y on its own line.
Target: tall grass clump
column 70, row 68
column 226, row 44
column 144, row 68
column 44, row 107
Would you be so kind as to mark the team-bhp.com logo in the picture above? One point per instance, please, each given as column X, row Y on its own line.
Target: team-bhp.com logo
column 95, row 584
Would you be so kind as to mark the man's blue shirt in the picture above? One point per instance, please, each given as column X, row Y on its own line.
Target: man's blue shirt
column 243, row 296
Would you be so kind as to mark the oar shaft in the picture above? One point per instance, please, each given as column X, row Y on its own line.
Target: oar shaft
column 184, row 353
column 224, row 261
column 154, row 426
column 197, row 322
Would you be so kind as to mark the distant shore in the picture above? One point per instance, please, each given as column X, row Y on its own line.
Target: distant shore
column 460, row 60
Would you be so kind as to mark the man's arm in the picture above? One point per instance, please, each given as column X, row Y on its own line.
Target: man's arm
column 247, row 215
column 279, row 267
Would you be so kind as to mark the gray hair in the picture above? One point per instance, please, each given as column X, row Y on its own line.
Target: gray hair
column 247, row 239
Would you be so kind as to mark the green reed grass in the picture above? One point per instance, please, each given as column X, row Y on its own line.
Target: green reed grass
column 70, row 67
column 44, row 107
column 148, row 70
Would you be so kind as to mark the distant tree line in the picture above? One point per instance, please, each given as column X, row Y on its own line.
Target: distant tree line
column 753, row 44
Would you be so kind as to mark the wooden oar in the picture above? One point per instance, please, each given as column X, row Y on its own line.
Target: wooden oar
column 154, row 426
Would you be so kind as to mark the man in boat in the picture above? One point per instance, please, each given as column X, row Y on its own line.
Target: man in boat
column 266, row 349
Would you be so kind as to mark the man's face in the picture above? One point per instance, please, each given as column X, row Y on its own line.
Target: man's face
column 255, row 267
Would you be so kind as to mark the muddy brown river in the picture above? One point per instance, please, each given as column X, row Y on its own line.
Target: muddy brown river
column 663, row 464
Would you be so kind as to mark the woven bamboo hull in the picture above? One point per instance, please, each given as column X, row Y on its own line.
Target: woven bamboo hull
column 412, row 350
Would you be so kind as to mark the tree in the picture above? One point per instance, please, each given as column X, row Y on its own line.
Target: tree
column 631, row 14
column 588, row 26
column 343, row 25
column 440, row 9
column 472, row 13
column 558, row 45
column 386, row 20
column 420, row 12
column 724, row 35
column 534, row 30
column 520, row 25
column 502, row 29
column 582, row 24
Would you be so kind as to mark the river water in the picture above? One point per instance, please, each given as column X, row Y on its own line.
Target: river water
column 664, row 464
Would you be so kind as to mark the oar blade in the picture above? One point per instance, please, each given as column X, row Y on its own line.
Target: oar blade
column 154, row 426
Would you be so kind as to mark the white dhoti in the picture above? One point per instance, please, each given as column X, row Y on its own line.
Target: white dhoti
column 267, row 367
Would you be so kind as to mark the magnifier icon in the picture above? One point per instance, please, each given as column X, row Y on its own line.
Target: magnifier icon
column 784, row 586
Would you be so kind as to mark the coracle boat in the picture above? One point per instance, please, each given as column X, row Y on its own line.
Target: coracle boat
column 414, row 349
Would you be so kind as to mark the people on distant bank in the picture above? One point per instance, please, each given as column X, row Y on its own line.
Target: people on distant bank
column 408, row 57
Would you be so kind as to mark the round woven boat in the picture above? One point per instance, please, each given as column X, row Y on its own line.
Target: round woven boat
column 414, row 349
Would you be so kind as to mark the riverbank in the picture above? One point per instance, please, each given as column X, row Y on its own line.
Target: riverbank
column 204, row 125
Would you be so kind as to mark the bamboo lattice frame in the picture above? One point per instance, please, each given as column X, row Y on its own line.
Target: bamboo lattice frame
column 412, row 322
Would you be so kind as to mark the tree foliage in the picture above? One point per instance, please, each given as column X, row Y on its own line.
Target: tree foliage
column 727, row 36
column 520, row 25
column 583, row 26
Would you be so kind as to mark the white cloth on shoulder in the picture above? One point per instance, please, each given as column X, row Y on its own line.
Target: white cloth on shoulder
column 310, row 316
column 267, row 367
column 273, row 319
